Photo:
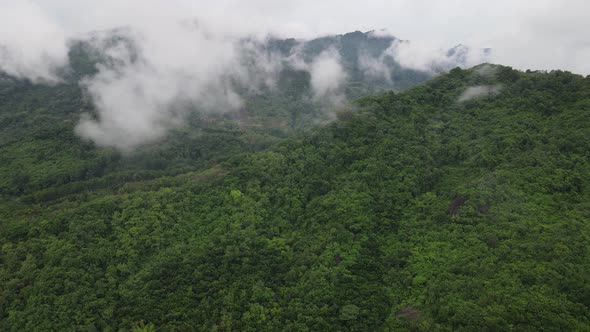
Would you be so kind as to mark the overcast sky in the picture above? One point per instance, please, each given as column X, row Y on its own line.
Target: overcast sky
column 539, row 34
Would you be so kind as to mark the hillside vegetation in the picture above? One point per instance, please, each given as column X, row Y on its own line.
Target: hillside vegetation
column 459, row 205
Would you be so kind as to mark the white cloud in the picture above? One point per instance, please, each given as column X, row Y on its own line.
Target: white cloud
column 138, row 100
column 480, row 91
column 435, row 58
column 545, row 35
column 375, row 68
column 327, row 74
column 31, row 44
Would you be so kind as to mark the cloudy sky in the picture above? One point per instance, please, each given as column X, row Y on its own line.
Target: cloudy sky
column 543, row 34
column 187, row 51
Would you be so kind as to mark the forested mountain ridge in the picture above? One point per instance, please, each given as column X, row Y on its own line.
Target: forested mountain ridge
column 462, row 204
column 357, row 51
column 41, row 150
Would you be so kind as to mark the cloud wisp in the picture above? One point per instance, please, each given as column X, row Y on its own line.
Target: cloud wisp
column 480, row 91
column 327, row 74
column 32, row 45
column 435, row 58
column 146, row 90
column 143, row 90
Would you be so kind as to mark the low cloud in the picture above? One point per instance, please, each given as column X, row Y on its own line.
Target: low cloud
column 434, row 58
column 480, row 91
column 175, row 64
column 258, row 68
column 375, row 68
column 146, row 89
column 381, row 33
column 486, row 70
column 327, row 75
column 32, row 46
column 142, row 89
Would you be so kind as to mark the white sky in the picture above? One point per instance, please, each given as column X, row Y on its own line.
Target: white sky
column 539, row 34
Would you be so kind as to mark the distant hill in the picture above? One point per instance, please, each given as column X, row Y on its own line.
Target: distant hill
column 357, row 52
column 39, row 120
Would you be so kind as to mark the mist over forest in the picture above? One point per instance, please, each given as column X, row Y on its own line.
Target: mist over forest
column 302, row 166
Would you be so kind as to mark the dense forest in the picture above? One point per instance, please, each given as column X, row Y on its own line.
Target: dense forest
column 459, row 205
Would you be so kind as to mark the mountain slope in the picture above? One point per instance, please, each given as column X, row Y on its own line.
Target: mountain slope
column 458, row 205
column 41, row 152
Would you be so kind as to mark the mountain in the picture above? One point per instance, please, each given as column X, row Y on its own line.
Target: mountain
column 38, row 121
column 460, row 204
column 41, row 120
column 369, row 62
column 355, row 50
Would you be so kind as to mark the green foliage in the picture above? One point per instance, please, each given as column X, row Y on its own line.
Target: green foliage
column 412, row 213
